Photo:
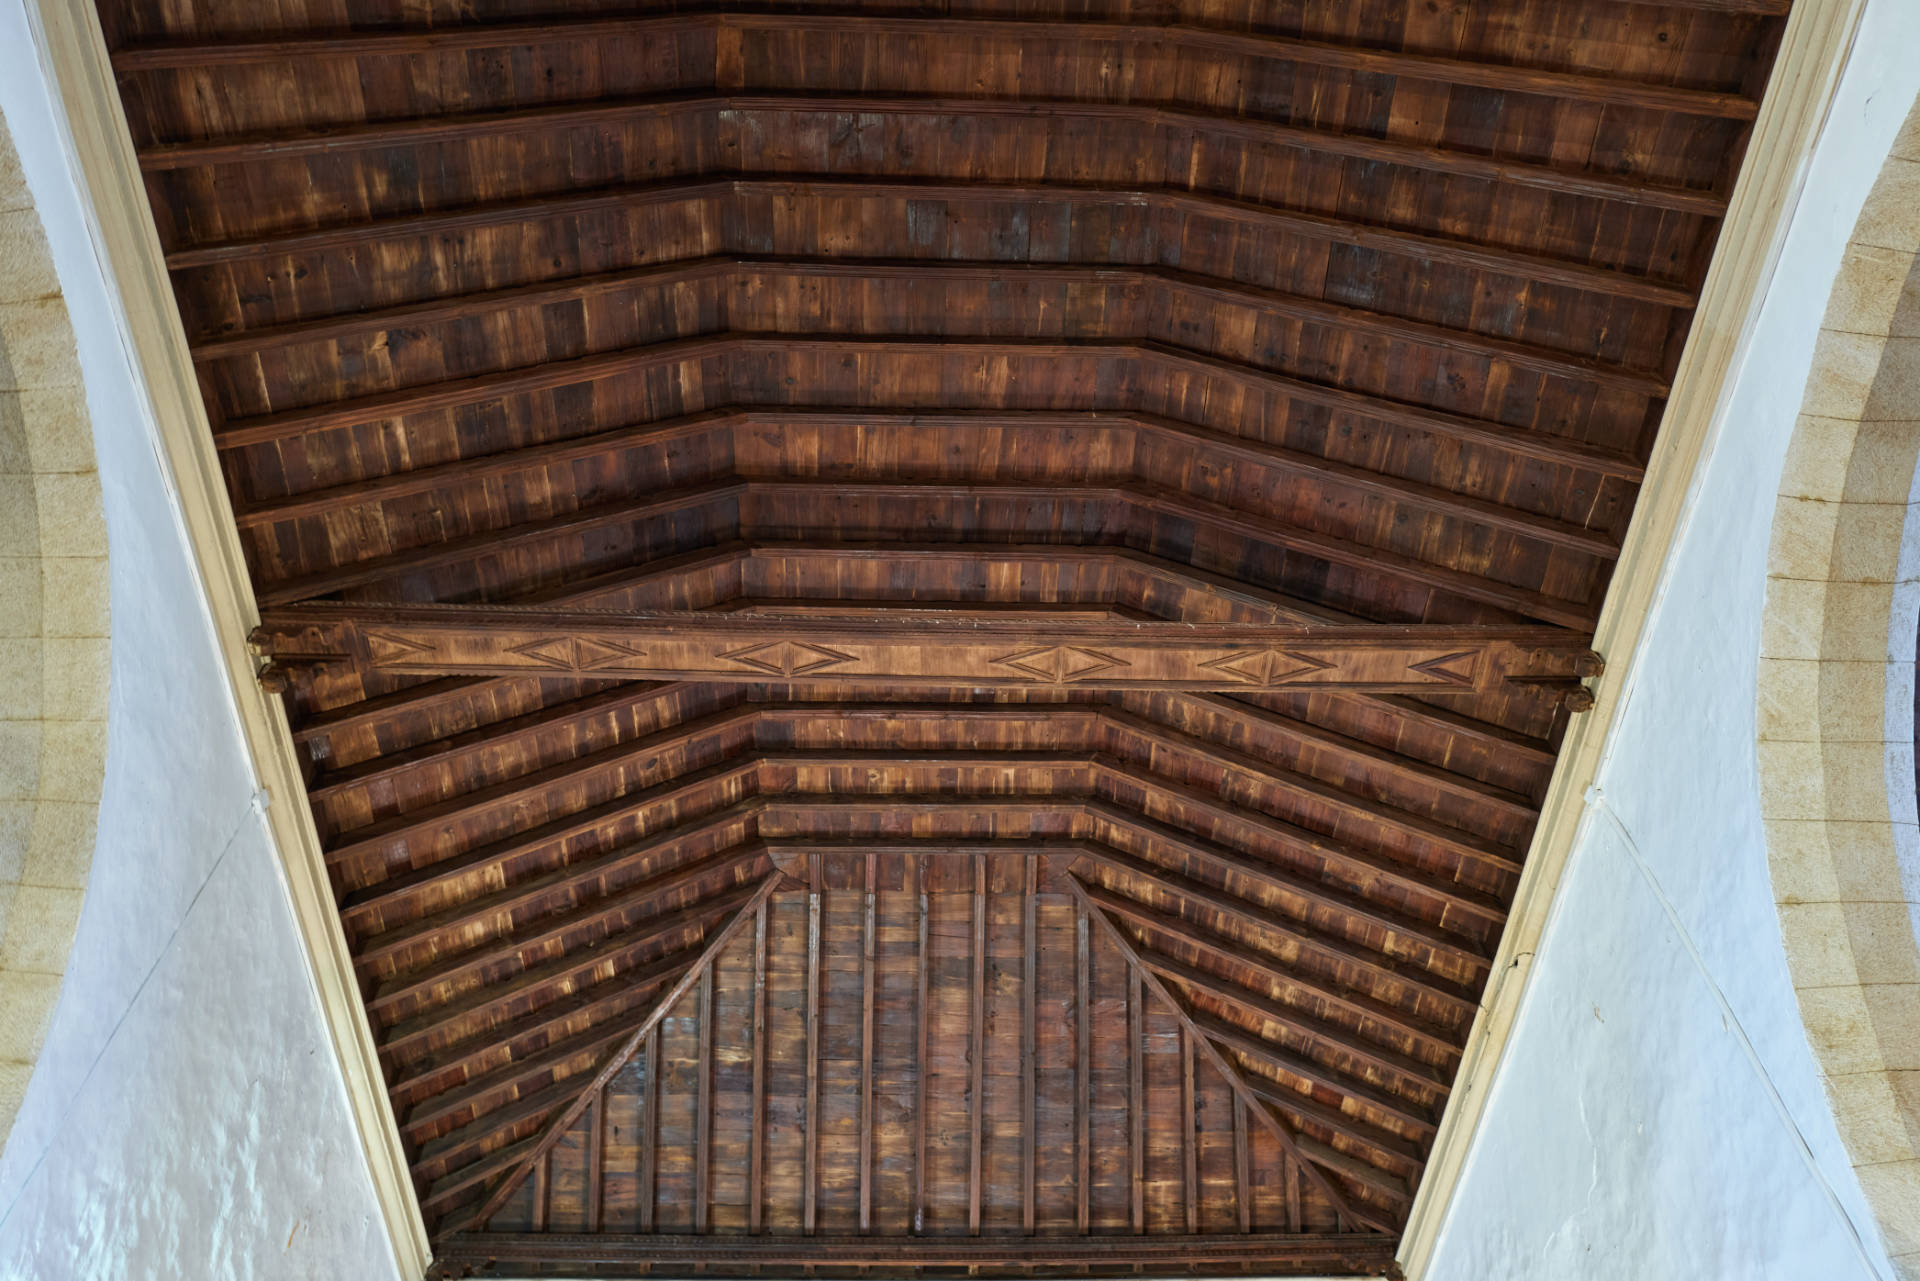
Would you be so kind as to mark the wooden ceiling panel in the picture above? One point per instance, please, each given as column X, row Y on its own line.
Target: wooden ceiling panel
column 931, row 639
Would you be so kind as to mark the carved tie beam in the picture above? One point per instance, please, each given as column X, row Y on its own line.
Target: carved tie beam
column 885, row 646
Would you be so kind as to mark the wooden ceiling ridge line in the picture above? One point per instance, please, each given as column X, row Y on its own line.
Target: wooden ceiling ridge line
column 1254, row 130
column 1136, row 502
column 286, row 424
column 387, row 486
column 1164, row 282
column 1447, row 249
column 557, row 1125
column 1289, row 1143
column 888, row 645
column 1361, row 59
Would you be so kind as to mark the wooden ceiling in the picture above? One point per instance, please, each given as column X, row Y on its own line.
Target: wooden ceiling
column 929, row 637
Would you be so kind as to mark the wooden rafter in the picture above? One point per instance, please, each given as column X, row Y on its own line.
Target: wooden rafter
column 1149, row 979
column 509, row 1178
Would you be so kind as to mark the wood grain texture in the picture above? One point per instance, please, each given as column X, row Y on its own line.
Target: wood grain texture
column 1082, row 366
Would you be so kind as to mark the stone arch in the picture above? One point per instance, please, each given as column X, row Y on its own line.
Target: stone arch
column 1836, row 701
column 54, row 655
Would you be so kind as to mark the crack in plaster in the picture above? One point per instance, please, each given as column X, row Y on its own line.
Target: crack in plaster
column 253, row 809
column 1597, row 800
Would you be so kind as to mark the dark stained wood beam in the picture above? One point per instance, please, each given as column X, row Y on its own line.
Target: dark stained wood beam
column 557, row 1126
column 757, row 1120
column 1149, row 354
column 1132, row 510
column 1083, row 1071
column 1450, row 251
column 703, row 1100
column 867, row 941
column 1317, row 990
column 810, row 1138
column 704, row 105
column 887, row 647
column 1029, row 1002
column 1341, row 1204
column 1165, row 288
column 1230, row 449
column 649, row 1192
column 615, row 1255
column 977, row 1049
column 1136, row 1097
column 1185, row 37
column 923, row 1024
column 1332, row 954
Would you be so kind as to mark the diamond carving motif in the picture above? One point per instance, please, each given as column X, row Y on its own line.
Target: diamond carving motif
column 787, row 658
column 591, row 654
column 395, row 649
column 1454, row 669
column 1061, row 663
column 548, row 651
column 1266, row 666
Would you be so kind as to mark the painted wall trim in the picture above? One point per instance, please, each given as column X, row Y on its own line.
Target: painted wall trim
column 73, row 50
column 1814, row 50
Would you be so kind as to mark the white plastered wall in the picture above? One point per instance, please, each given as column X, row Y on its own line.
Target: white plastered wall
column 1658, row 1112
column 187, row 1116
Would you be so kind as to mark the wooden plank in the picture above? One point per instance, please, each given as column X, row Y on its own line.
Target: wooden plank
column 1453, row 250
column 1189, row 1136
column 923, row 1022
column 977, row 1049
column 1136, row 1102
column 1190, row 37
column 703, row 1100
column 1029, row 1001
column 810, row 1197
column 1242, row 1168
column 698, row 106
column 757, row 1122
column 596, row 1159
column 1165, row 288
column 866, row 1051
column 1083, row 1071
column 650, row 1132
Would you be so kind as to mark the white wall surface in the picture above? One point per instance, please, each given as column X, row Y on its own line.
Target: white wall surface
column 186, row 1117
column 1658, row 1113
